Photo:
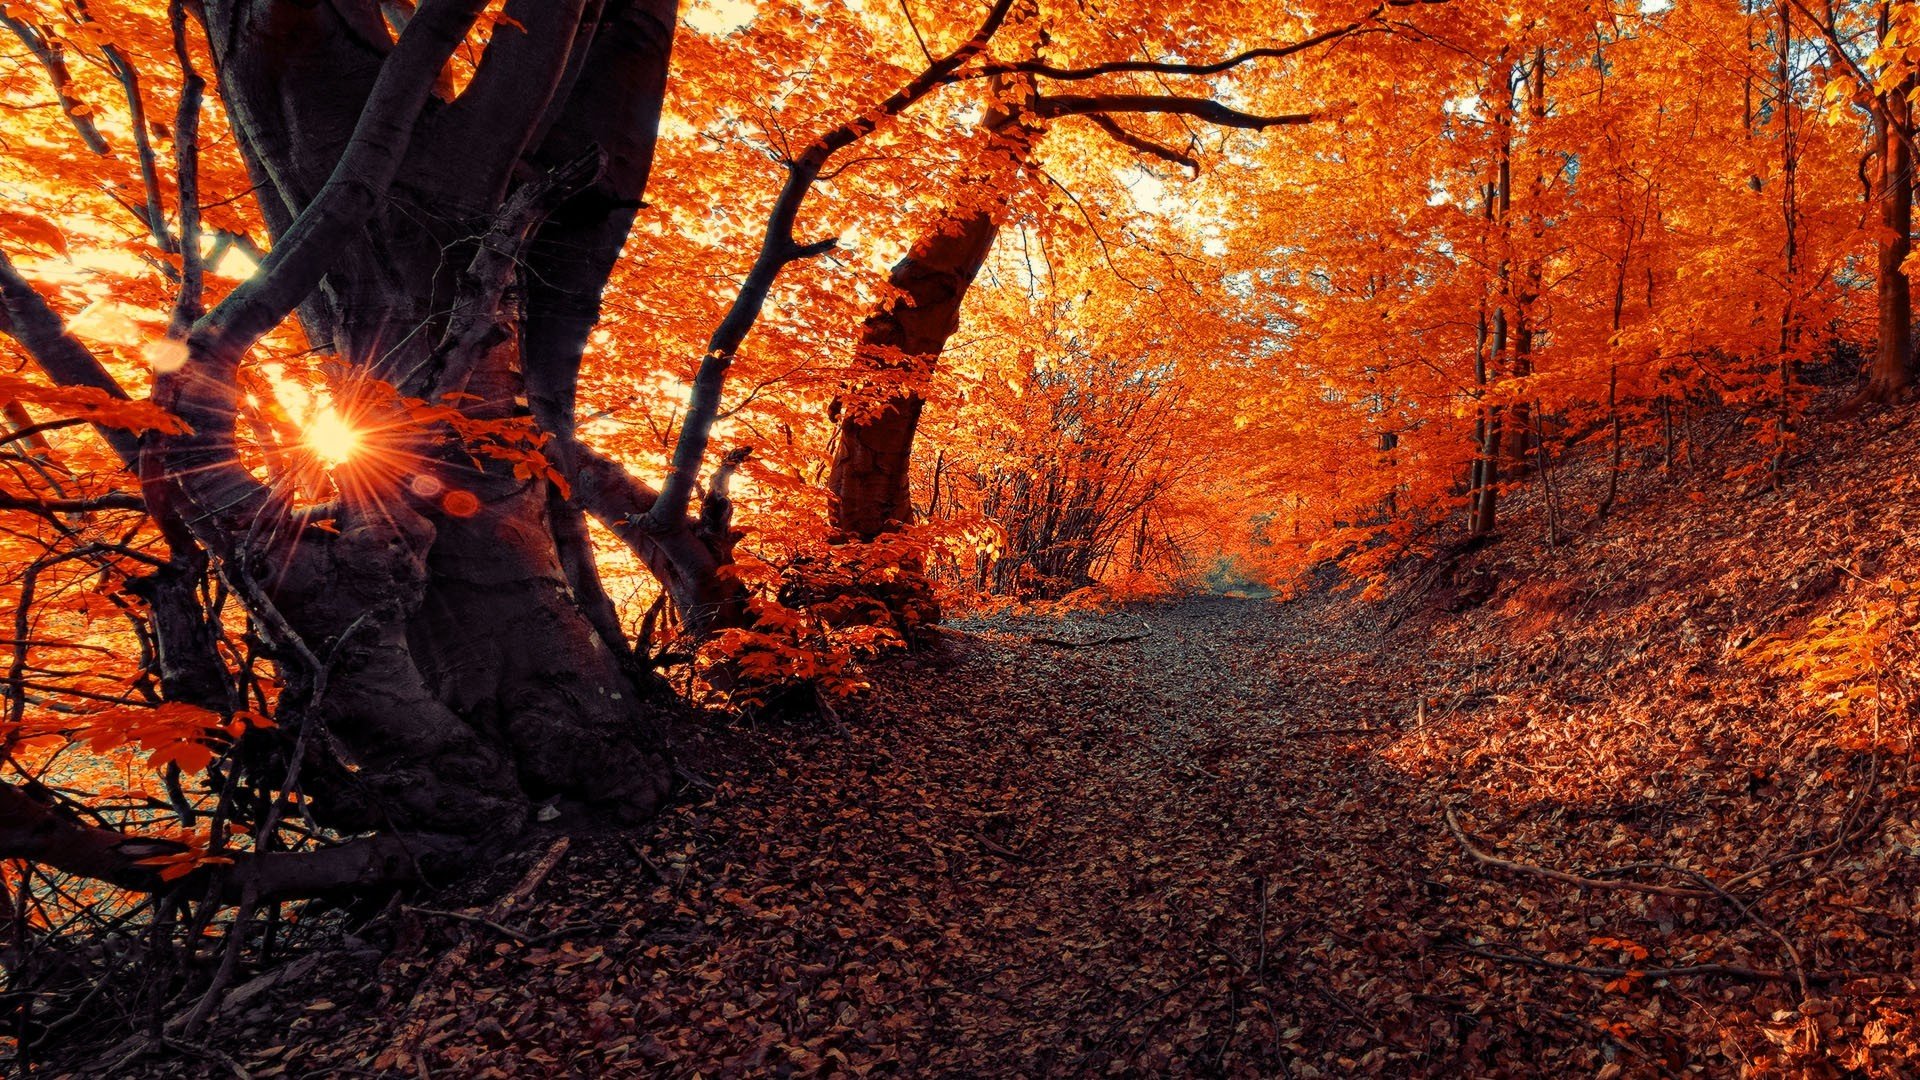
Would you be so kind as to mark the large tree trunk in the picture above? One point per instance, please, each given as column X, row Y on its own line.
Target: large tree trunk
column 459, row 662
column 447, row 651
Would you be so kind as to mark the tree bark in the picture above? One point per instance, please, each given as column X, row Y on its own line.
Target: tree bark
column 1521, row 425
column 868, row 489
column 1490, row 363
column 1892, row 368
column 34, row 828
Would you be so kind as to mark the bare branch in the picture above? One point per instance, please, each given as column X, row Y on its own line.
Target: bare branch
column 1156, row 67
column 205, row 392
column 189, row 305
column 31, row 432
column 39, row 504
column 351, row 194
column 1141, row 143
column 1200, row 108
column 1371, row 22
column 906, row 8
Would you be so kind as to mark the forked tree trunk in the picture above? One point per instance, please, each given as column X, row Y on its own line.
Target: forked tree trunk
column 448, row 653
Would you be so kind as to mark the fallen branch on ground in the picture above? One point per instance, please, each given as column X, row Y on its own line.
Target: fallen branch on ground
column 523, row 937
column 1731, row 971
column 1709, row 890
column 413, row 1028
column 1840, row 838
column 999, row 849
column 1482, row 857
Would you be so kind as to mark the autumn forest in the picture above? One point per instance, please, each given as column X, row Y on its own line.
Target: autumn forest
column 993, row 538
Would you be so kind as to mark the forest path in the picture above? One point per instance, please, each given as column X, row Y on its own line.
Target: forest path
column 1219, row 850
column 1210, row 845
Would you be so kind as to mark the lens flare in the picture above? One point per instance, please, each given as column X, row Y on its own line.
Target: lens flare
column 331, row 438
column 166, row 355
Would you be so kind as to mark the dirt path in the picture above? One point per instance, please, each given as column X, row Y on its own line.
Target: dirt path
column 1191, row 854
column 1164, row 793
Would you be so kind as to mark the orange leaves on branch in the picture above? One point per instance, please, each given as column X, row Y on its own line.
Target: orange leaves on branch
column 1842, row 658
column 514, row 440
column 93, row 405
column 194, row 854
column 31, row 228
column 172, row 733
column 789, row 651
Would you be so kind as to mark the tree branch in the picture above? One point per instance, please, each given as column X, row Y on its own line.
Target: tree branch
column 475, row 143
column 1212, row 112
column 1371, row 22
column 614, row 106
column 1156, row 67
column 26, row 317
column 474, row 325
column 1141, row 143
column 53, row 58
column 115, row 500
column 351, row 194
column 189, row 305
column 686, row 567
column 1603, row 884
column 205, row 392
column 40, row 832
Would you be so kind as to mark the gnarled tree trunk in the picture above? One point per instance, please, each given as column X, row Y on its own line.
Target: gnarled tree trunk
column 449, row 654
column 467, row 658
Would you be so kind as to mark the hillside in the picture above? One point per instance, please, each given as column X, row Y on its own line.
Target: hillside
column 1546, row 811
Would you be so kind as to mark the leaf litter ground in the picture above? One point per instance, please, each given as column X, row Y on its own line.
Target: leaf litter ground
column 1224, row 849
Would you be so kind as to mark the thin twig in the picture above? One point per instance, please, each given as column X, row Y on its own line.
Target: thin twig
column 521, row 936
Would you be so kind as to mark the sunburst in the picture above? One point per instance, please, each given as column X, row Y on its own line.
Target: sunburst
column 331, row 437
